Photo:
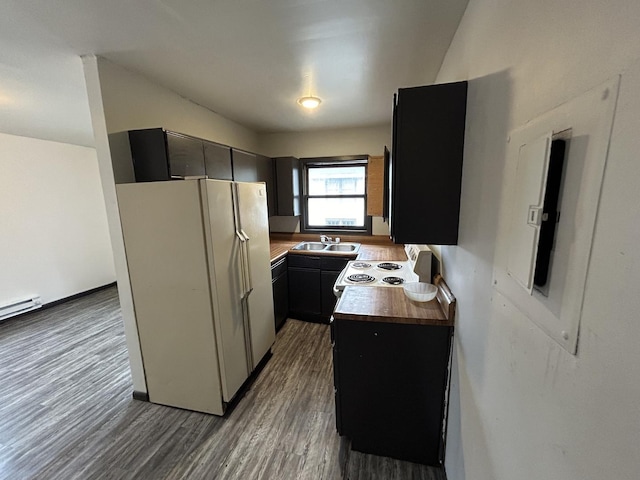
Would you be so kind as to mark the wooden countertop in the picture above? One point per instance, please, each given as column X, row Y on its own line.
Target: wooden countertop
column 378, row 304
column 279, row 248
column 371, row 248
column 391, row 305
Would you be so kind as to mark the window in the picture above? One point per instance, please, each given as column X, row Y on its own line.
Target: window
column 335, row 195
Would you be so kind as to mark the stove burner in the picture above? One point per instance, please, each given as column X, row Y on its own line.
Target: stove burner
column 393, row 280
column 360, row 278
column 389, row 266
column 361, row 265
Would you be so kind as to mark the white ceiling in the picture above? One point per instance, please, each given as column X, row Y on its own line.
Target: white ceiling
column 248, row 60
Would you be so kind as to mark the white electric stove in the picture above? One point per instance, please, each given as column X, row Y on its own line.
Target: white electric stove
column 387, row 273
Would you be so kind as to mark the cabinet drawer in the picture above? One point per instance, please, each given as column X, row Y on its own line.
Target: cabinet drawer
column 304, row 261
column 335, row 264
column 278, row 268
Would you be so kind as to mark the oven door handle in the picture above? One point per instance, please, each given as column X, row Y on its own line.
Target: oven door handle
column 338, row 286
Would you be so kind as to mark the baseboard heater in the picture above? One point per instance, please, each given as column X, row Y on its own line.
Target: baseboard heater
column 20, row 306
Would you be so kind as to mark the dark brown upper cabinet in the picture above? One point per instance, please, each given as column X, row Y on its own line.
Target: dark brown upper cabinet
column 249, row 167
column 185, row 155
column 426, row 163
column 217, row 161
column 245, row 166
column 287, row 172
column 159, row 155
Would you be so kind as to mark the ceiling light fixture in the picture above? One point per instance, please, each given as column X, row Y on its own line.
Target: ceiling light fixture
column 309, row 102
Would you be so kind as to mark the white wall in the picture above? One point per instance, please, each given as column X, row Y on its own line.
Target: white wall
column 121, row 100
column 521, row 406
column 326, row 143
column 54, row 240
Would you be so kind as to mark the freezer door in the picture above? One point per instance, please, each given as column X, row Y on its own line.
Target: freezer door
column 225, row 256
column 254, row 227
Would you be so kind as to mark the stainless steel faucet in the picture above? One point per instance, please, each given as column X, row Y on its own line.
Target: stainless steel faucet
column 328, row 240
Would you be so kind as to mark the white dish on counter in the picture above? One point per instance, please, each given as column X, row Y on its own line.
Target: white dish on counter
column 420, row 291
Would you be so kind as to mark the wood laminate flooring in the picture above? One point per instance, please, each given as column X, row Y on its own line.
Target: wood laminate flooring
column 66, row 410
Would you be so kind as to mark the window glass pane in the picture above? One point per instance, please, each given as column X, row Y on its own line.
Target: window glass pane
column 341, row 212
column 336, row 180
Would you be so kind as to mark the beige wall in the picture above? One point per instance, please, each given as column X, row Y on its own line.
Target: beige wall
column 132, row 102
column 521, row 406
column 54, row 240
column 326, row 143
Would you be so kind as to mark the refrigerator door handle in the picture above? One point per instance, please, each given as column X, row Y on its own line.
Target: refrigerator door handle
column 246, row 280
column 247, row 336
column 243, row 268
column 248, row 256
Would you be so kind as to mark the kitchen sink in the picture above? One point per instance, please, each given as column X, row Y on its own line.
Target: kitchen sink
column 342, row 247
column 333, row 248
column 310, row 246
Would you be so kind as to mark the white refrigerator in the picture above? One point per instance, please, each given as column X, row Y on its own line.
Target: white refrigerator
column 199, row 264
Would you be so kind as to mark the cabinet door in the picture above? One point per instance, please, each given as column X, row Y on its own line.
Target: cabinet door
column 335, row 264
column 264, row 167
column 245, row 166
column 249, row 167
column 328, row 298
column 375, row 186
column 281, row 299
column 336, row 383
column 149, row 155
column 186, row 155
column 217, row 161
column 288, row 182
column 391, row 387
column 427, row 163
column 304, row 290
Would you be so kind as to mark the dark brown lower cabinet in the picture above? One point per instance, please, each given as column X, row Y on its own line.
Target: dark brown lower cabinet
column 327, row 280
column 304, row 292
column 280, row 286
column 390, row 382
column 311, row 281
